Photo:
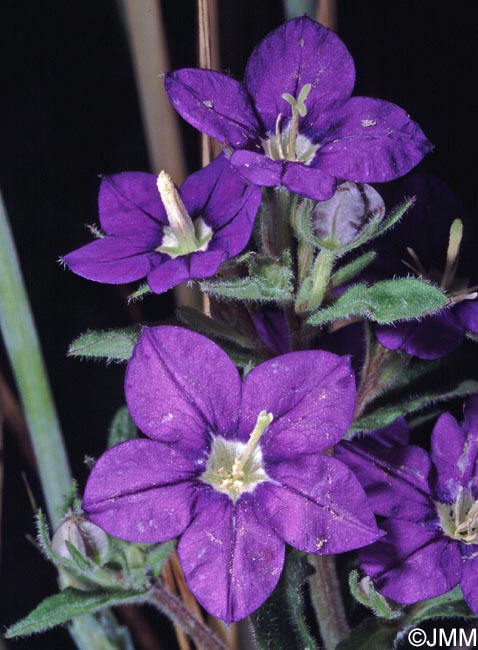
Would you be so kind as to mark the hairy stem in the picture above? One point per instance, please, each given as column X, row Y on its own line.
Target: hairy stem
column 174, row 609
column 327, row 601
column 23, row 348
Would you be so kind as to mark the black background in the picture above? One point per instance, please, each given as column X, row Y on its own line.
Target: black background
column 70, row 112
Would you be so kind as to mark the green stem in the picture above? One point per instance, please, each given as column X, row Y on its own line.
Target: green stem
column 174, row 609
column 327, row 601
column 23, row 348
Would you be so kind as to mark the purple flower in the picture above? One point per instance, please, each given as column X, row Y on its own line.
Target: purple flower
column 152, row 231
column 234, row 468
column 292, row 122
column 431, row 510
column 428, row 239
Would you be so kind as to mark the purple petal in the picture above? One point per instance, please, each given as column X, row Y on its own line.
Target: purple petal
column 231, row 559
column 113, row 260
column 316, row 505
column 397, row 433
column 204, row 265
column 412, row 563
column 130, row 203
column 468, row 462
column 371, row 141
column 213, row 103
column 469, row 583
column 272, row 329
column 181, row 387
column 467, row 314
column 432, row 338
column 447, row 445
column 311, row 396
column 220, row 195
column 307, row 181
column 395, row 479
column 299, row 52
column 141, row 491
column 169, row 274
column 258, row 168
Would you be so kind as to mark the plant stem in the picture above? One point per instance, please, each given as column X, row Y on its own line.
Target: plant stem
column 21, row 341
column 327, row 601
column 174, row 609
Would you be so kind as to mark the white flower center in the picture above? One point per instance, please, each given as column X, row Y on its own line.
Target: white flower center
column 459, row 520
column 234, row 467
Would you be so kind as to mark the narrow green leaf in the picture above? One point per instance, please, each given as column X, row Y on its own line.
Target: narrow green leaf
column 364, row 591
column 279, row 623
column 113, row 345
column 372, row 634
column 450, row 605
column 122, row 428
column 385, row 415
column 68, row 604
column 384, row 302
column 352, row 269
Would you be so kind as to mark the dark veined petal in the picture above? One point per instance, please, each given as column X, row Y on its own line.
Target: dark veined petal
column 469, row 583
column 181, row 387
column 258, row 168
column 130, row 204
column 299, row 52
column 213, row 103
column 226, row 202
column 114, row 260
column 231, row 559
column 316, row 504
column 311, row 396
column 431, row 338
column 169, row 274
column 141, row 491
column 412, row 563
column 395, row 479
column 370, row 141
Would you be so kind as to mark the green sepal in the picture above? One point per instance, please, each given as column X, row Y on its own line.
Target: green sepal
column 365, row 593
column 385, row 415
column 450, row 605
column 122, row 428
column 384, row 302
column 372, row 634
column 279, row 623
column 157, row 554
column 142, row 291
column 268, row 281
column 352, row 269
column 68, row 604
column 112, row 345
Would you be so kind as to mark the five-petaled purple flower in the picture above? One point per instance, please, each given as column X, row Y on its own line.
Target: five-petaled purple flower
column 234, row 468
column 293, row 123
column 421, row 241
column 431, row 505
column 152, row 231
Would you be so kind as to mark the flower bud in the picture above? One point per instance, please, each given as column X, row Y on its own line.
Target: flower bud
column 88, row 538
column 343, row 218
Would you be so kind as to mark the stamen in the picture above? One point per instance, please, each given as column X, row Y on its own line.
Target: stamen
column 453, row 253
column 279, row 138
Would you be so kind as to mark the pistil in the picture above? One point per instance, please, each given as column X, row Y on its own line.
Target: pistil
column 182, row 236
column 460, row 520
